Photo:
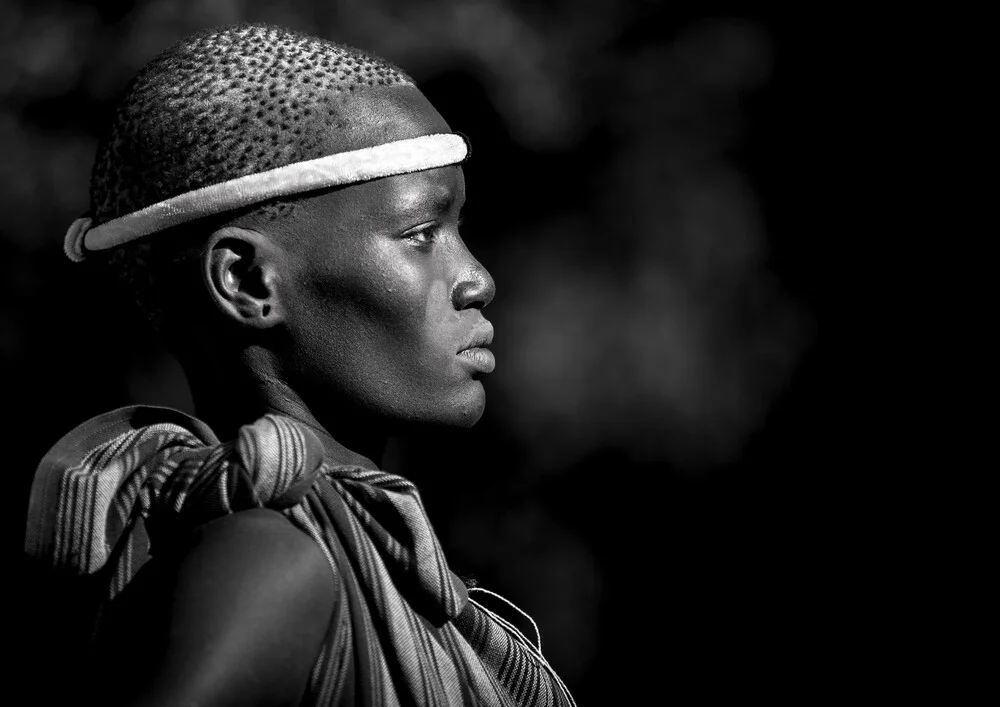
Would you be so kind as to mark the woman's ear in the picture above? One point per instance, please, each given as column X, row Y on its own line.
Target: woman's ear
column 241, row 269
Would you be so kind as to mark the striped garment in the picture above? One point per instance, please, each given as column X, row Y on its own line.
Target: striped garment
column 407, row 631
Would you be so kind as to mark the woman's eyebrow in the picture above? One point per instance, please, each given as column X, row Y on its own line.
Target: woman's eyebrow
column 442, row 201
column 437, row 202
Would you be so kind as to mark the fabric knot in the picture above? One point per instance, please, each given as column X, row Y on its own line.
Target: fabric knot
column 272, row 464
column 282, row 457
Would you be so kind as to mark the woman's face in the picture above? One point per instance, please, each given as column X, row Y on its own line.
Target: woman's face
column 383, row 300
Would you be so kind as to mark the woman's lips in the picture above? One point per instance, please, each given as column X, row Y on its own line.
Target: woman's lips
column 475, row 351
column 481, row 358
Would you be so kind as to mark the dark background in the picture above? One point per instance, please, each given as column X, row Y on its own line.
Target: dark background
column 648, row 481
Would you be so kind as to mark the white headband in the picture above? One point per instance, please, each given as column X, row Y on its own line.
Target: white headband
column 400, row 157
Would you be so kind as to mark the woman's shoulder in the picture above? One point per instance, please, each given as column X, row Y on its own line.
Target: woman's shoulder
column 248, row 600
column 257, row 534
column 258, row 544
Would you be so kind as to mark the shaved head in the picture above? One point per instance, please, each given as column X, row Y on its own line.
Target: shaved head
column 226, row 103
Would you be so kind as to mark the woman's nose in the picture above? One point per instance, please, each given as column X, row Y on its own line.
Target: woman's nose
column 474, row 287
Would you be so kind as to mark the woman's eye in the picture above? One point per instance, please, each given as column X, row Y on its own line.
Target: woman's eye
column 424, row 235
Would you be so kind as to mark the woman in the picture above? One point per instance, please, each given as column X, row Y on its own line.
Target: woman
column 286, row 211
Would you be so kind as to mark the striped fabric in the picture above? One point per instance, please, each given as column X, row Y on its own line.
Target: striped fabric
column 406, row 633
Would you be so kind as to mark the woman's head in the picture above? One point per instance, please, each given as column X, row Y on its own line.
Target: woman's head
column 363, row 296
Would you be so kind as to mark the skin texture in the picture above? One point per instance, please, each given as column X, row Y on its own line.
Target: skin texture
column 349, row 316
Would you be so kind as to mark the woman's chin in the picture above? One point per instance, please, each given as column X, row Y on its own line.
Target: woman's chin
column 465, row 410
column 468, row 411
column 457, row 411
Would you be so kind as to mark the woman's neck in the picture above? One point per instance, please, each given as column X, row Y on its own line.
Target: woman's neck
column 226, row 402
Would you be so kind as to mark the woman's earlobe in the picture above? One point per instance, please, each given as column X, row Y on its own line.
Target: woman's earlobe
column 240, row 273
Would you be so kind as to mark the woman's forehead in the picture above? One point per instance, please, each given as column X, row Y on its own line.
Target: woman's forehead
column 401, row 200
column 438, row 189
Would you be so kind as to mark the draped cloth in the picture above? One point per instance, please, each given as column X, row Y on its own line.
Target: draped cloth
column 405, row 631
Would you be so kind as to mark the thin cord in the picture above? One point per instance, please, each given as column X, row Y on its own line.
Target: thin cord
column 523, row 639
column 517, row 609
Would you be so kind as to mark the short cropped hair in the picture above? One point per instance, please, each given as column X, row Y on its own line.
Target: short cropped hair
column 219, row 105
